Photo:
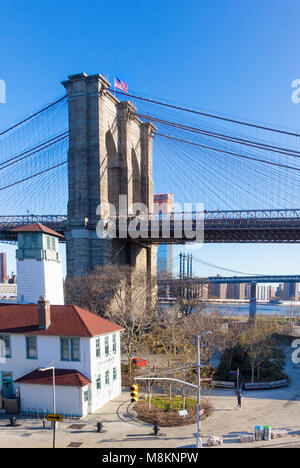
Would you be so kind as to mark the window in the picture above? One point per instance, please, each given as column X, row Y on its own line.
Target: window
column 64, row 347
column 75, row 354
column 107, row 378
column 27, row 241
column 70, row 349
column 114, row 345
column 98, row 382
column 114, row 373
column 98, row 348
column 48, row 243
column 30, row 241
column 53, row 243
column 31, row 347
column 86, row 395
column 5, row 346
column 106, row 346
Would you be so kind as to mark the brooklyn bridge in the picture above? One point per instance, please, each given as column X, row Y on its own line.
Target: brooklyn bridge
column 67, row 162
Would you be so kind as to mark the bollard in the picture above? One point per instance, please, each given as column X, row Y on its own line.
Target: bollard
column 156, row 429
column 99, row 427
column 13, row 421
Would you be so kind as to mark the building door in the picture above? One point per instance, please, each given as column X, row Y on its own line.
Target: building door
column 7, row 384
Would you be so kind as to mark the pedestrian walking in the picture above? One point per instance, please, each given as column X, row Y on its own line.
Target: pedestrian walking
column 239, row 400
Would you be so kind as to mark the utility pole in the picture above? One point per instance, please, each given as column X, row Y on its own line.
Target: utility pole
column 54, row 403
column 52, row 367
column 198, row 440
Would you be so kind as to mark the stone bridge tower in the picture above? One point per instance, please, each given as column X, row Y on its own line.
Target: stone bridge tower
column 110, row 154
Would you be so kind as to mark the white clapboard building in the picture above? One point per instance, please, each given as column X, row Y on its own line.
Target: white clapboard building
column 84, row 348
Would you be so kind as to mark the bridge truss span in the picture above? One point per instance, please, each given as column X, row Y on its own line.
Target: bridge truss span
column 240, row 226
column 58, row 223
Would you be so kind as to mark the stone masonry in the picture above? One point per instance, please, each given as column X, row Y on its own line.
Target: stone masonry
column 110, row 154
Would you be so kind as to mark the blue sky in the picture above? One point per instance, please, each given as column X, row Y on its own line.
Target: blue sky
column 232, row 57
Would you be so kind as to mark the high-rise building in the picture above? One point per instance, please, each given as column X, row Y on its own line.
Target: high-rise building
column 272, row 292
column 279, row 293
column 3, row 268
column 291, row 291
column 262, row 292
column 236, row 291
column 217, row 291
column 165, row 256
column 163, row 204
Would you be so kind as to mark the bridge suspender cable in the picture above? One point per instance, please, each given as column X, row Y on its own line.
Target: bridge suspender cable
column 34, row 175
column 230, row 153
column 34, row 150
column 32, row 116
column 213, row 116
column 243, row 141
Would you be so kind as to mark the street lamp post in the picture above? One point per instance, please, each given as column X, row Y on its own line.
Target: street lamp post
column 52, row 367
column 198, row 439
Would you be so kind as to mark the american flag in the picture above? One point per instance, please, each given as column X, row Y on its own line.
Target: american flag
column 121, row 85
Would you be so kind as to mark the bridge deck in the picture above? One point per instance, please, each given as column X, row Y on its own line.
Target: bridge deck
column 233, row 280
column 255, row 226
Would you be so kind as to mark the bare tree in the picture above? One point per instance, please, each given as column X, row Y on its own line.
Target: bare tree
column 200, row 323
column 95, row 291
column 230, row 339
column 123, row 294
column 168, row 341
column 258, row 340
column 134, row 307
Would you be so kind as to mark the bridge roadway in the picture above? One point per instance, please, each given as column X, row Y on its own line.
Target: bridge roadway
column 240, row 226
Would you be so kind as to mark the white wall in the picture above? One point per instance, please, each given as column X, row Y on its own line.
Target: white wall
column 100, row 366
column 89, row 365
column 54, row 282
column 48, row 348
column 40, row 397
column 38, row 278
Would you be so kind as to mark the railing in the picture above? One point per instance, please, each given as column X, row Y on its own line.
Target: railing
column 281, row 225
column 30, row 219
column 257, row 214
column 273, row 214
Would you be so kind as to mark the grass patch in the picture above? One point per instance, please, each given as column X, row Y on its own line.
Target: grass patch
column 165, row 412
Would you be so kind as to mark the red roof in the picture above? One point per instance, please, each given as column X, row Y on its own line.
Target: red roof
column 67, row 377
column 37, row 227
column 66, row 320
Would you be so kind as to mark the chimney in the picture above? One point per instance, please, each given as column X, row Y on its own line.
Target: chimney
column 44, row 313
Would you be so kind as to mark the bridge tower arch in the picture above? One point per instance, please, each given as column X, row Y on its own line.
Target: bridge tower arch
column 110, row 154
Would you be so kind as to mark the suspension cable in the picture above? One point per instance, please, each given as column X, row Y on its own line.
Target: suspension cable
column 34, row 175
column 229, row 152
column 213, row 116
column 34, row 150
column 247, row 142
column 32, row 116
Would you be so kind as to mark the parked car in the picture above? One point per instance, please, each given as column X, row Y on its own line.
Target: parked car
column 139, row 362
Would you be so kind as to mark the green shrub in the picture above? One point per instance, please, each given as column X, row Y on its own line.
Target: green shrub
column 166, row 413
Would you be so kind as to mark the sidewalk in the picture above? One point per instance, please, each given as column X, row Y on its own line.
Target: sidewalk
column 121, row 429
column 278, row 408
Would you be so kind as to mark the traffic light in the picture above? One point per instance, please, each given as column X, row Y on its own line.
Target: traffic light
column 134, row 393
